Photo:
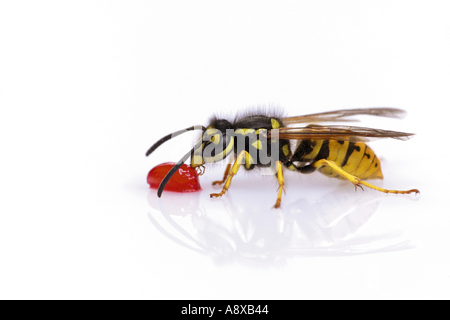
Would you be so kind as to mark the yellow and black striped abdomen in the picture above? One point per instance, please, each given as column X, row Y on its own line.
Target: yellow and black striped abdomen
column 357, row 159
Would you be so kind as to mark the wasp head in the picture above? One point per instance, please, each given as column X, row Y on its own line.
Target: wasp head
column 217, row 143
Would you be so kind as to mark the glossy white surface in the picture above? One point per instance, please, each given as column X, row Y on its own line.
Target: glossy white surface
column 87, row 87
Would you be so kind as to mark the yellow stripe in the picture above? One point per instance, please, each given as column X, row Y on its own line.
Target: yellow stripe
column 365, row 163
column 221, row 155
column 211, row 132
column 313, row 154
column 196, row 161
column 374, row 171
column 341, row 152
column 244, row 131
column 355, row 158
column 334, row 147
column 286, row 150
column 257, row 144
column 248, row 160
column 337, row 154
column 275, row 123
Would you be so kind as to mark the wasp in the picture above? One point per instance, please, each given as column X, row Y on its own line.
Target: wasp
column 267, row 139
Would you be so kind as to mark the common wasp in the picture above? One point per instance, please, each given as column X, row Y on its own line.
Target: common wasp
column 263, row 139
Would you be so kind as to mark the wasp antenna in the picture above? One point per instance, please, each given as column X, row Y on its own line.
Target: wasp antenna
column 172, row 135
column 174, row 169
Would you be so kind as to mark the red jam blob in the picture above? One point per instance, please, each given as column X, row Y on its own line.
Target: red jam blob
column 184, row 180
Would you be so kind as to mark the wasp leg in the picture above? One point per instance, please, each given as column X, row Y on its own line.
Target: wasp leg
column 355, row 180
column 279, row 168
column 225, row 175
column 234, row 169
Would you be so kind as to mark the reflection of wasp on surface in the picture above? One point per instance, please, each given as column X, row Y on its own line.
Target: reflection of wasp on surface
column 334, row 150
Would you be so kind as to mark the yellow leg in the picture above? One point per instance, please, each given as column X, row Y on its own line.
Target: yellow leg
column 279, row 167
column 355, row 180
column 233, row 171
column 225, row 175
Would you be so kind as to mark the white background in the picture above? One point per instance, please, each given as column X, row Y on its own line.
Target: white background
column 86, row 87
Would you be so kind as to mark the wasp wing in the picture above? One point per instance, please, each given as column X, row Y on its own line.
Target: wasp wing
column 341, row 115
column 338, row 132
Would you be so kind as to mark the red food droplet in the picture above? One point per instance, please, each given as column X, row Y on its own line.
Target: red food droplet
column 184, row 180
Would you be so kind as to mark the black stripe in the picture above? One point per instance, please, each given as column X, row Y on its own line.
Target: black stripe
column 307, row 169
column 304, row 148
column 351, row 148
column 324, row 151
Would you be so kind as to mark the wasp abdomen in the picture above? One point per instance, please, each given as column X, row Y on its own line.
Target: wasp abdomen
column 357, row 159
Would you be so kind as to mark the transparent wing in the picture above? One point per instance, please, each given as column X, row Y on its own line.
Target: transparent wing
column 338, row 132
column 341, row 115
